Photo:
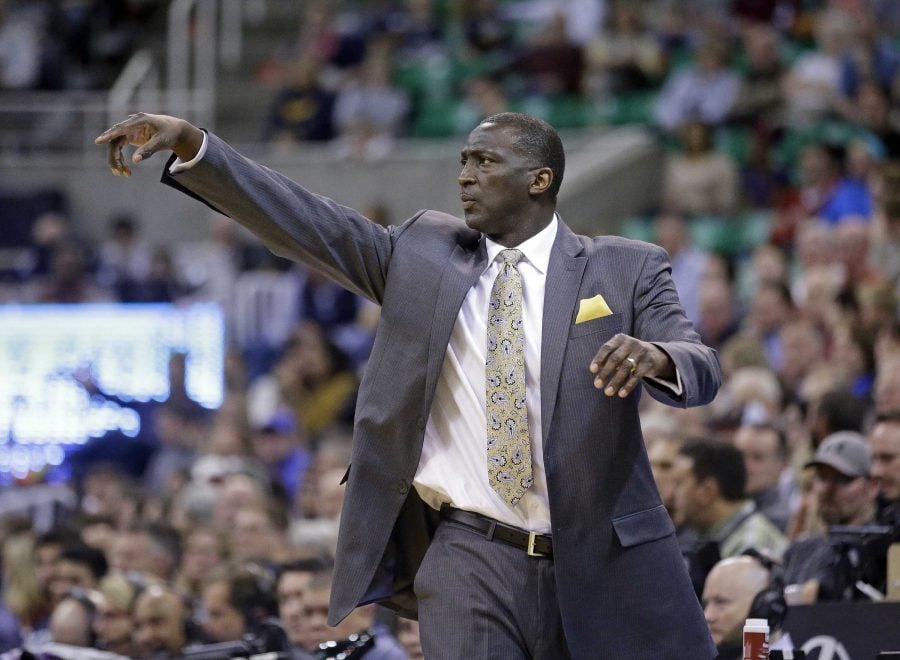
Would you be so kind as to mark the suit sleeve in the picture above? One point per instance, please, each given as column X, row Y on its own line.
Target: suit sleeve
column 292, row 222
column 660, row 318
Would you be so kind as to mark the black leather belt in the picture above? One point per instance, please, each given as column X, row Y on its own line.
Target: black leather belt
column 536, row 545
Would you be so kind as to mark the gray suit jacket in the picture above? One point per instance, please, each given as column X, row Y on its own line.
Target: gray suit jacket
column 623, row 589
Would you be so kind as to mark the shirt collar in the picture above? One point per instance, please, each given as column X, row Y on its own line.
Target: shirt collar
column 536, row 249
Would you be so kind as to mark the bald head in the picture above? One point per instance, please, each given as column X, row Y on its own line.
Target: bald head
column 71, row 622
column 159, row 616
column 730, row 588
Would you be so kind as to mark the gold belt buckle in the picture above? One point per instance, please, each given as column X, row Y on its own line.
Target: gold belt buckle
column 531, row 553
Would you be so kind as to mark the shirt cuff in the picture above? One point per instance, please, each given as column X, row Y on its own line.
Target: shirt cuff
column 179, row 165
column 675, row 387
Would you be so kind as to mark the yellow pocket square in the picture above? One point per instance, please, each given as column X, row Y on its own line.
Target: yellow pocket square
column 592, row 308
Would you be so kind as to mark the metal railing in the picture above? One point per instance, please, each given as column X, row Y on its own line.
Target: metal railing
column 201, row 35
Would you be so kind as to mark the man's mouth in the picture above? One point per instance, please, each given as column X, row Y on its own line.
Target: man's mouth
column 467, row 201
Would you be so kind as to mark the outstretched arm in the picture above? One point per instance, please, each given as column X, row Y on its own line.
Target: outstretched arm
column 292, row 222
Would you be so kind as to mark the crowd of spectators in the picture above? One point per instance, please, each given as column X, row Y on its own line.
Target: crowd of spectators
column 780, row 210
column 69, row 44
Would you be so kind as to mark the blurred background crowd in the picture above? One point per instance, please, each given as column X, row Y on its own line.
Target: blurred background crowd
column 778, row 123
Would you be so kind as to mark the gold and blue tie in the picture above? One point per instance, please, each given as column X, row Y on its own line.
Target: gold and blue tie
column 508, row 444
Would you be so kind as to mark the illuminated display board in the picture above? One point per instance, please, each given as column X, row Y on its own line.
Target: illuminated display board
column 45, row 409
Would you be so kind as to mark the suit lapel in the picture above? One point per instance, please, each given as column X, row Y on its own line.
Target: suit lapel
column 465, row 265
column 560, row 295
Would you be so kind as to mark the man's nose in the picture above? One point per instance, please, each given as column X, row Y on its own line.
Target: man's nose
column 465, row 175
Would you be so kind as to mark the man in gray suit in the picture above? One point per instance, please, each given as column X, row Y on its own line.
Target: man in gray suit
column 499, row 488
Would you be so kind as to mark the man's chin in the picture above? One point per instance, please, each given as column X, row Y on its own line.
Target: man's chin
column 473, row 220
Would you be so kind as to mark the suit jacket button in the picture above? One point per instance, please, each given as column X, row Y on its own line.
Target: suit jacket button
column 402, row 487
column 421, row 421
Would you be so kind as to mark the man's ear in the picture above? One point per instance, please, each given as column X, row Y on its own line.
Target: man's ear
column 541, row 181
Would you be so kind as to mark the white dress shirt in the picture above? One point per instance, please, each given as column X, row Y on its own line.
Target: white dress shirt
column 453, row 465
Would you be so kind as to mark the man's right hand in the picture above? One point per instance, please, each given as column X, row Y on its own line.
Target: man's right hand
column 149, row 133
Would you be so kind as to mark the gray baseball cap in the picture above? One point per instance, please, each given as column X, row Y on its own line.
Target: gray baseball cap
column 845, row 451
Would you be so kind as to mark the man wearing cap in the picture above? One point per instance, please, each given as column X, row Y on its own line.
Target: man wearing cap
column 844, row 495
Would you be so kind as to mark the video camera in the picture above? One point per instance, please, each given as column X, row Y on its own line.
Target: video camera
column 267, row 642
column 859, row 565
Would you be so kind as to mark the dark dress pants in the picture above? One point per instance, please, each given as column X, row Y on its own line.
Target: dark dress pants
column 485, row 599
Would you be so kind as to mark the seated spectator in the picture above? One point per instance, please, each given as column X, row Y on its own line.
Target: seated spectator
column 161, row 619
column 146, row 548
column 718, row 312
column 69, row 280
column 369, row 111
column 731, row 596
column 72, row 621
column 689, row 262
column 337, row 44
column 760, row 101
column 78, row 567
column 872, row 55
column 768, row 265
column 843, row 495
column 487, row 33
column 235, row 490
column 280, row 445
column 625, row 56
column 818, row 180
column 662, row 453
column 294, row 579
column 551, row 64
column 114, row 624
column 852, row 236
column 204, row 550
column 884, row 444
column 163, row 283
column 710, row 498
column 813, row 80
column 699, row 180
column 853, row 197
column 871, row 109
column 853, row 354
column 416, row 29
column 763, row 182
column 765, row 451
column 177, row 435
column 26, row 595
column 302, row 108
column 237, row 601
column 750, row 396
column 704, row 91
column 484, row 96
column 21, row 34
column 770, row 309
column 802, row 347
column 259, row 534
column 357, row 632
column 311, row 378
column 124, row 259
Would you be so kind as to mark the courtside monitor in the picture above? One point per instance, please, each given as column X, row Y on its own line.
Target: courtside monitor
column 48, row 353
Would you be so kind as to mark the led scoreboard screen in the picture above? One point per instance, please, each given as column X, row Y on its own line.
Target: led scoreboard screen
column 47, row 350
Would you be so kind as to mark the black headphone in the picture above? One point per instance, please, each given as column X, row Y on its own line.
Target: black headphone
column 769, row 603
column 252, row 592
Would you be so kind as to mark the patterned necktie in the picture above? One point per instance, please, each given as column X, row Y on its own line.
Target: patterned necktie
column 508, row 444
